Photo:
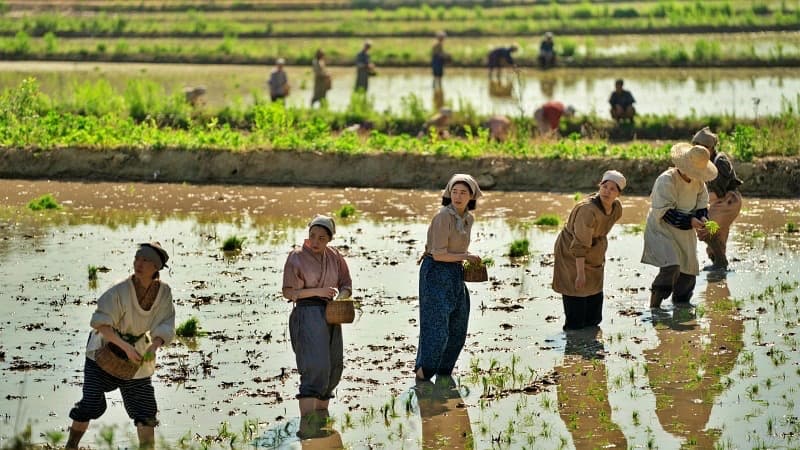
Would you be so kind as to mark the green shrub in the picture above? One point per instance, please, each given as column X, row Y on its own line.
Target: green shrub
column 233, row 244
column 548, row 220
column 519, row 248
column 46, row 201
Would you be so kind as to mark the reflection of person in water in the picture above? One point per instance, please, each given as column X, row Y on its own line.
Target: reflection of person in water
column 686, row 368
column 445, row 419
column 583, row 393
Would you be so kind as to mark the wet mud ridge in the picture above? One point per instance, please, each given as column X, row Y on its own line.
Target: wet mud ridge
column 774, row 177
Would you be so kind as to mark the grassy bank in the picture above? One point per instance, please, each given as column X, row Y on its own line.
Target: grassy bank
column 416, row 21
column 145, row 116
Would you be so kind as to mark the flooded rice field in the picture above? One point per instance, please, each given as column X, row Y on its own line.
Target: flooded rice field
column 724, row 373
column 682, row 92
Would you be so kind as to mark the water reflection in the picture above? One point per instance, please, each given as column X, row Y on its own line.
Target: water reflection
column 686, row 370
column 658, row 91
column 583, row 392
column 316, row 432
column 445, row 419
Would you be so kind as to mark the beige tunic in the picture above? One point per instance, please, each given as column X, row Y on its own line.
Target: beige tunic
column 449, row 233
column 665, row 245
column 304, row 271
column 584, row 236
column 119, row 309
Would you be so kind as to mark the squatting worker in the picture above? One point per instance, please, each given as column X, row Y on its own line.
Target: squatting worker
column 443, row 296
column 580, row 253
column 137, row 316
column 724, row 201
column 679, row 205
column 313, row 275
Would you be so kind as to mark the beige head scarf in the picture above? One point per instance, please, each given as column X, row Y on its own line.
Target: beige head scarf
column 324, row 222
column 463, row 178
column 616, row 177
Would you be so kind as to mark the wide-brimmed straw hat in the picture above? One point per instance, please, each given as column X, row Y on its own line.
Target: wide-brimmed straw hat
column 693, row 161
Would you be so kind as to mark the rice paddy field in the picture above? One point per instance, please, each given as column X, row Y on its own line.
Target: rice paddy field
column 722, row 374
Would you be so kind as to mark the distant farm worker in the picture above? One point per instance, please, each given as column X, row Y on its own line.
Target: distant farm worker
column 679, row 206
column 132, row 321
column 364, row 67
column 547, row 52
column 621, row 102
column 548, row 116
column 500, row 57
column 194, row 95
column 315, row 274
column 438, row 59
column 443, row 296
column 724, row 200
column 278, row 81
column 322, row 78
column 499, row 127
column 580, row 253
column 440, row 122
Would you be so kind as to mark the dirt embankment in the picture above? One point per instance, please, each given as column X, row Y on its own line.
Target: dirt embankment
column 773, row 177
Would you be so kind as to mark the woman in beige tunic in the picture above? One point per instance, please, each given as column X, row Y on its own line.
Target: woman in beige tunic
column 679, row 206
column 322, row 79
column 580, row 253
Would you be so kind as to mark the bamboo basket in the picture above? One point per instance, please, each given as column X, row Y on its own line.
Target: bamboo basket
column 340, row 311
column 475, row 273
column 109, row 359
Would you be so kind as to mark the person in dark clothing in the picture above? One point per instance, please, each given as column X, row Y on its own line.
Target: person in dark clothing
column 547, row 52
column 621, row 103
column 724, row 201
column 499, row 57
column 438, row 58
column 364, row 67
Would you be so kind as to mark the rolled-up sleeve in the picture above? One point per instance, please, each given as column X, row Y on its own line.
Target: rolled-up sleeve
column 440, row 234
column 165, row 328
column 109, row 310
column 582, row 230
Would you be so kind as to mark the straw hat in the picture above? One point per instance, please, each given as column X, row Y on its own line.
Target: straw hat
column 693, row 161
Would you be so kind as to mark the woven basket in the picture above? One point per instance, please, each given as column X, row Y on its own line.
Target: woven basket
column 109, row 359
column 340, row 311
column 475, row 273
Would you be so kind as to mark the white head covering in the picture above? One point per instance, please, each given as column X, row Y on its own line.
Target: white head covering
column 694, row 161
column 280, row 61
column 464, row 178
column 324, row 222
column 616, row 177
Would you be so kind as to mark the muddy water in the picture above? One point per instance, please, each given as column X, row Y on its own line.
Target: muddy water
column 724, row 372
column 658, row 91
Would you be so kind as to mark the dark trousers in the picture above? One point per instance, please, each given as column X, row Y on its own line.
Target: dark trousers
column 582, row 312
column 138, row 396
column 318, row 349
column 671, row 281
column 443, row 316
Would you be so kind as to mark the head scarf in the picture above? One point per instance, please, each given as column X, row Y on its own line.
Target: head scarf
column 324, row 222
column 616, row 177
column 463, row 178
column 152, row 251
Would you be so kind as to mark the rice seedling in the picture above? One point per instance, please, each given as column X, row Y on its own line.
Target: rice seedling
column 712, row 227
column 519, row 248
column 189, row 328
column 792, row 227
column 548, row 220
column 46, row 201
column 233, row 244
column 92, row 272
column 346, row 211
